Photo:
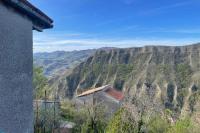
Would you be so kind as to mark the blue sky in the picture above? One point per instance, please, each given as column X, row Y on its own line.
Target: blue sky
column 87, row 24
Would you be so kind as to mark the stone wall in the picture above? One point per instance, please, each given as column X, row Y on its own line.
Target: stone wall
column 16, row 109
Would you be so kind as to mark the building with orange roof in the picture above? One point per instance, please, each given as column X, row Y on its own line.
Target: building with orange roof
column 105, row 95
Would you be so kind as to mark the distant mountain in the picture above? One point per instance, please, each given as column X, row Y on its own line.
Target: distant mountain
column 56, row 63
column 172, row 72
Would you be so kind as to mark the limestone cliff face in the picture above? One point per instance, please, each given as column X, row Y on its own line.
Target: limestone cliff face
column 174, row 72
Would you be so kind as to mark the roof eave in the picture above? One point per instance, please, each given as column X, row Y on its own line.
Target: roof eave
column 39, row 19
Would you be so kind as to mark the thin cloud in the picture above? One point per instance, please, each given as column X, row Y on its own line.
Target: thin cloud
column 161, row 30
column 59, row 35
column 69, row 41
column 166, row 8
column 187, row 31
column 116, row 20
column 177, row 31
column 81, row 44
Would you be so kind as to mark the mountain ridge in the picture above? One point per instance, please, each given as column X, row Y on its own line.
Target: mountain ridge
column 56, row 63
column 173, row 71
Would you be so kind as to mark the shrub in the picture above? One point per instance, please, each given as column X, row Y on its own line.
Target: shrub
column 181, row 126
column 158, row 125
column 120, row 123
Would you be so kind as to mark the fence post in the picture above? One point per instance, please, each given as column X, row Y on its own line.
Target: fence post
column 45, row 110
column 37, row 117
column 54, row 114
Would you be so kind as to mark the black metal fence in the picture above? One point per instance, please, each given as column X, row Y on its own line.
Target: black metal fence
column 46, row 116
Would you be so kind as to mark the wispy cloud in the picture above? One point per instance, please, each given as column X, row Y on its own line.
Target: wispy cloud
column 117, row 43
column 152, row 31
column 115, row 20
column 81, row 44
column 168, row 30
column 185, row 31
column 166, row 8
column 68, row 41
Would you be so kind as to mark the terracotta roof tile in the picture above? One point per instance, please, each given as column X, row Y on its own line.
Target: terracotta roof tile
column 118, row 95
column 91, row 91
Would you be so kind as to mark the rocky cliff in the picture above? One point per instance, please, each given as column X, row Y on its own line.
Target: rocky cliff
column 173, row 72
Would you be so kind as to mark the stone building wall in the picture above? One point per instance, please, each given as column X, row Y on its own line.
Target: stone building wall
column 16, row 109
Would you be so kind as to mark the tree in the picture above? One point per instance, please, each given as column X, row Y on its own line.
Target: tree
column 40, row 82
column 142, row 108
column 120, row 124
column 96, row 117
column 88, row 118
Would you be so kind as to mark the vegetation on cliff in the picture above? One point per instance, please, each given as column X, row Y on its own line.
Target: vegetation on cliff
column 160, row 84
